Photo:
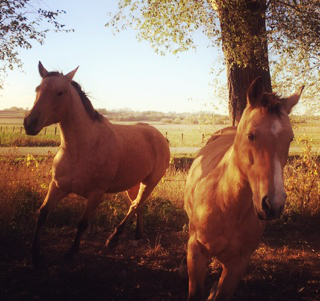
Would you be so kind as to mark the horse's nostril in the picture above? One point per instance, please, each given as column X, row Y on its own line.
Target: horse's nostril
column 30, row 125
column 266, row 206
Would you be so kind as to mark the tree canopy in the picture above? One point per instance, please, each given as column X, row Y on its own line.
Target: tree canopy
column 21, row 23
column 281, row 35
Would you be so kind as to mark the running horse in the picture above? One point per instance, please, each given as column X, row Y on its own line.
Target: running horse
column 95, row 156
column 233, row 187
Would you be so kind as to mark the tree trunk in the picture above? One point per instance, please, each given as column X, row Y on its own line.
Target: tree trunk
column 244, row 42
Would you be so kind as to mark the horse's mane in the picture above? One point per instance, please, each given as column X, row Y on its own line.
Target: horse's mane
column 93, row 114
column 272, row 102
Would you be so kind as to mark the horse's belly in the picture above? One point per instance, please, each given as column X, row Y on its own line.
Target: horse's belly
column 78, row 181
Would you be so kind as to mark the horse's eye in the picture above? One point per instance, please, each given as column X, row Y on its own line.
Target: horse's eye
column 60, row 93
column 252, row 137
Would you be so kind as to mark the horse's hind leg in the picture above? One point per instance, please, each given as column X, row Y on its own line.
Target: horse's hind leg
column 197, row 265
column 93, row 202
column 53, row 197
column 136, row 206
column 132, row 194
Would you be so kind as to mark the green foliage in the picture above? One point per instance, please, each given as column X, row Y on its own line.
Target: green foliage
column 17, row 139
column 168, row 25
column 21, row 24
column 289, row 30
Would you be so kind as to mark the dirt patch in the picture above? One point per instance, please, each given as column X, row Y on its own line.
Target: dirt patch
column 286, row 266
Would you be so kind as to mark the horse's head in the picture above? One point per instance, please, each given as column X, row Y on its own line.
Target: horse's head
column 262, row 145
column 51, row 100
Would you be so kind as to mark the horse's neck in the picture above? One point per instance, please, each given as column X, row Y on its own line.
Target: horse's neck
column 78, row 131
column 233, row 184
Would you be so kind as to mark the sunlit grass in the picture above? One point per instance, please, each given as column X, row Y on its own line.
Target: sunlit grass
column 24, row 183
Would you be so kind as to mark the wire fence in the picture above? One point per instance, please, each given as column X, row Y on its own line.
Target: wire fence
column 20, row 129
column 189, row 138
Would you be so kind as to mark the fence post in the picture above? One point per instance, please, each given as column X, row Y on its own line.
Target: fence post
column 182, row 137
column 45, row 131
column 13, row 129
column 202, row 138
column 55, row 131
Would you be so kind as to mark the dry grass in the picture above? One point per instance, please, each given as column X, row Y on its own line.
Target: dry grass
column 24, row 183
column 284, row 267
column 302, row 181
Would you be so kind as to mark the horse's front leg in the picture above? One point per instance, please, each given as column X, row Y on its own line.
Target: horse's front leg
column 53, row 197
column 93, row 202
column 232, row 272
column 197, row 266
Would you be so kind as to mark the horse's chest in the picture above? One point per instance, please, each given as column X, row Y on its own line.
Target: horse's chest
column 228, row 233
column 80, row 176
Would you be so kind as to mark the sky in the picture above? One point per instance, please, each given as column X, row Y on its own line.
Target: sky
column 116, row 70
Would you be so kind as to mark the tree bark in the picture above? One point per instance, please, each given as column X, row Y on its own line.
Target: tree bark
column 244, row 42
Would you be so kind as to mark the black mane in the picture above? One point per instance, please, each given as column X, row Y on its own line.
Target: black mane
column 93, row 114
column 272, row 102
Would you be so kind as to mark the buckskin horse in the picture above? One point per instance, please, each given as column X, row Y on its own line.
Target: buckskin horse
column 95, row 156
column 233, row 187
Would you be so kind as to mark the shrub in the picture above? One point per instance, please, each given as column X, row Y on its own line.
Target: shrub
column 302, row 181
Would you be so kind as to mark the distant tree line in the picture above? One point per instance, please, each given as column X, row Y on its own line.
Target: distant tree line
column 128, row 115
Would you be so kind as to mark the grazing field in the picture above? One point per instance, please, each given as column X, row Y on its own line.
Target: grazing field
column 286, row 265
column 179, row 135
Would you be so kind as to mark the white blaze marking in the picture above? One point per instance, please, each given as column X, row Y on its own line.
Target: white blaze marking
column 276, row 128
column 278, row 182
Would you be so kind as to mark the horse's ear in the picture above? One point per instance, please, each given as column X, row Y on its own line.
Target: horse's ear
column 291, row 101
column 255, row 92
column 43, row 72
column 71, row 74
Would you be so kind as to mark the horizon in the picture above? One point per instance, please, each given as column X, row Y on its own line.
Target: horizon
column 116, row 70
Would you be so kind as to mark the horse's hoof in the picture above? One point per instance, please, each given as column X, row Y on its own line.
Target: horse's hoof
column 38, row 261
column 112, row 242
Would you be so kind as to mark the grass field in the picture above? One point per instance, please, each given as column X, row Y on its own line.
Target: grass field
column 180, row 135
column 284, row 267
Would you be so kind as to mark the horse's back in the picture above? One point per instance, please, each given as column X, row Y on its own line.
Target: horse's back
column 146, row 138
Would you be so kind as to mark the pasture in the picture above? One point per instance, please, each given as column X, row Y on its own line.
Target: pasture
column 306, row 128
column 286, row 265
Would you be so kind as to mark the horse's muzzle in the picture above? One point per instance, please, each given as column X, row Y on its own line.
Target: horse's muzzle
column 269, row 211
column 30, row 125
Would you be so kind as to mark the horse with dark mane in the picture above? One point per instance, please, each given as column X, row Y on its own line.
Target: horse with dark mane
column 234, row 185
column 95, row 156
